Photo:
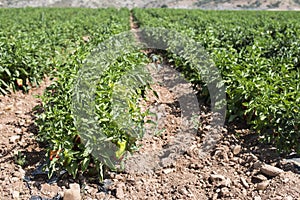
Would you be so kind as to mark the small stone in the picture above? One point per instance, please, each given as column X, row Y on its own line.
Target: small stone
column 183, row 191
column 285, row 180
column 240, row 161
column 226, row 183
column 263, row 185
column 130, row 179
column 252, row 158
column 207, row 127
column 50, row 190
column 257, row 164
column 120, row 191
column 18, row 130
column 73, row 193
column 193, row 166
column 260, row 178
column 244, row 182
column 14, row 139
column 167, row 171
column 15, row 195
column 293, row 161
column 18, row 112
column 236, row 149
column 288, row 198
column 22, row 172
column 235, row 160
column 224, row 192
column 270, row 170
column 257, row 198
column 220, row 180
column 215, row 196
column 216, row 177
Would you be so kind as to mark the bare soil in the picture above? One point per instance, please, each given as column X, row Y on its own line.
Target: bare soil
column 231, row 170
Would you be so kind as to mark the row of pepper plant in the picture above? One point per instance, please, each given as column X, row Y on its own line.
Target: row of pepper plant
column 56, row 42
column 257, row 54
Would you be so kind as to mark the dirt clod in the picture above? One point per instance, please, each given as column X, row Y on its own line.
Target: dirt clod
column 73, row 193
column 263, row 185
column 270, row 170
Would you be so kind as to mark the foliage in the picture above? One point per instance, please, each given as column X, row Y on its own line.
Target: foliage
column 76, row 151
column 35, row 42
column 20, row 158
column 257, row 53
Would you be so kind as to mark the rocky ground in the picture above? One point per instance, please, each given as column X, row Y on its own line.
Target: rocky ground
column 237, row 167
column 204, row 4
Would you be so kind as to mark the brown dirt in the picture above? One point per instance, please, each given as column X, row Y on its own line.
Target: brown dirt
column 17, row 141
column 220, row 175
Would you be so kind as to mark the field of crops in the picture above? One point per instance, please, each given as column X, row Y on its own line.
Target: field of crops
column 54, row 42
column 257, row 54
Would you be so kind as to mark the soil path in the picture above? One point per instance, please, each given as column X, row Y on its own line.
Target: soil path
column 19, row 152
column 232, row 170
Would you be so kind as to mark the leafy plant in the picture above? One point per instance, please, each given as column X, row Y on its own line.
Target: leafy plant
column 20, row 158
column 80, row 147
column 257, row 54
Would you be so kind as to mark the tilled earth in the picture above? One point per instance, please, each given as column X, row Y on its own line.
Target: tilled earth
column 233, row 169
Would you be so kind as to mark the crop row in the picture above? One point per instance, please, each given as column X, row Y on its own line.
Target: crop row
column 257, row 54
column 61, row 43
